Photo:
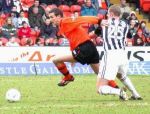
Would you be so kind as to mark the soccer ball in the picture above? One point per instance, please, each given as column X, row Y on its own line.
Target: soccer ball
column 13, row 95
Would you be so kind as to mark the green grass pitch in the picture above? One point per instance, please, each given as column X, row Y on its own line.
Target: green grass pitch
column 41, row 95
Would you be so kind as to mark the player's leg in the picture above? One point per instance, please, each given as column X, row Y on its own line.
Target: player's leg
column 108, row 70
column 113, row 83
column 122, row 76
column 60, row 65
column 104, row 89
column 95, row 68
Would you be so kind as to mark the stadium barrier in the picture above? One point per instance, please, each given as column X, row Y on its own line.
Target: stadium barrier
column 37, row 61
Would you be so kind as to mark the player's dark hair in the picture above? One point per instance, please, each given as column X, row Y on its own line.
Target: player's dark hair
column 56, row 12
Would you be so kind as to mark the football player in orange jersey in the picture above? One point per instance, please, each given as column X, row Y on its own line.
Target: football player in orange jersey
column 82, row 48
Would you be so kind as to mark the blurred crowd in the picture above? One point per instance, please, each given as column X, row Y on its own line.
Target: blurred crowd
column 26, row 22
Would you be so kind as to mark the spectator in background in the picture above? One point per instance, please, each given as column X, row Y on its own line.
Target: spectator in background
column 14, row 19
column 145, row 32
column 24, row 31
column 14, row 10
column 143, row 29
column 88, row 9
column 9, row 30
column 133, row 17
column 132, row 29
column 138, row 41
column 7, row 5
column 35, row 19
column 21, row 19
column 40, row 8
column 18, row 5
column 48, row 30
column 139, row 35
column 46, row 15
column 125, row 9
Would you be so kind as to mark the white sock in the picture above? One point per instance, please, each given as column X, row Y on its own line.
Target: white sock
column 127, row 82
column 109, row 90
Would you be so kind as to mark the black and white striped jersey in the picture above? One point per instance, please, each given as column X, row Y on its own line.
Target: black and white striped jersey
column 114, row 34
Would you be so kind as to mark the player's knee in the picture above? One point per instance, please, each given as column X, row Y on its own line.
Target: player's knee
column 54, row 59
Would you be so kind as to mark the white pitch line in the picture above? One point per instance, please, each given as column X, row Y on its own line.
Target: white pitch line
column 71, row 106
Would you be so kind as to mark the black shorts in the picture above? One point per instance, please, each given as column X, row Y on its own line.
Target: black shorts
column 86, row 53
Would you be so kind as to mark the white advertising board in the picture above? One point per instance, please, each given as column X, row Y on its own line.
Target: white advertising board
column 37, row 61
column 44, row 54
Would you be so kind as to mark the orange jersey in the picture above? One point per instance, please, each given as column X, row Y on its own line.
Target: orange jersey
column 71, row 28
